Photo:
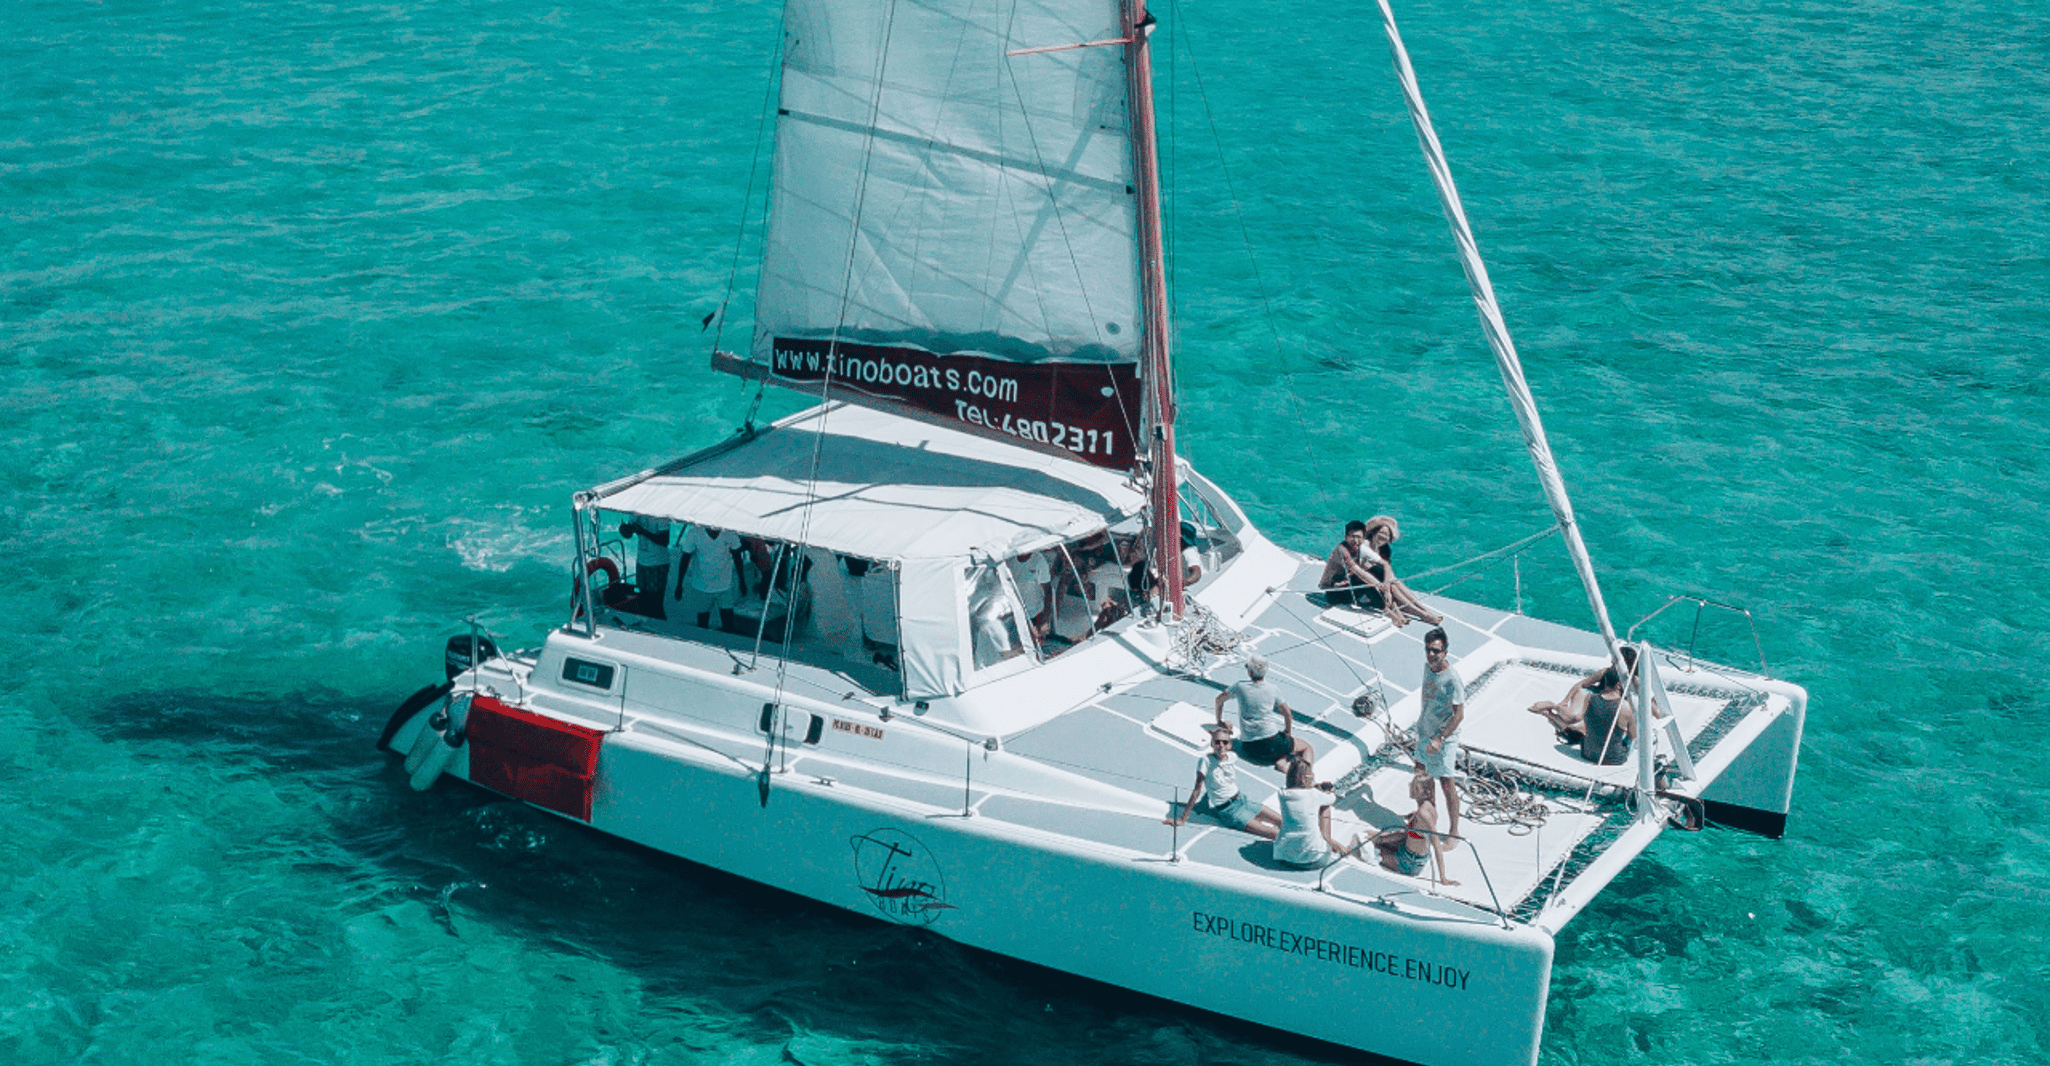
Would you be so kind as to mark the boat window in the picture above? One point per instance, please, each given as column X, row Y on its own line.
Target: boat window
column 1089, row 589
column 994, row 617
column 1210, row 522
column 804, row 603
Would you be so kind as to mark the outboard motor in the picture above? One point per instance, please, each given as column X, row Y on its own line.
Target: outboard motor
column 461, row 656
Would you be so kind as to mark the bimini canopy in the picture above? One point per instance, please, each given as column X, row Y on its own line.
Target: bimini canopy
column 939, row 507
column 887, row 488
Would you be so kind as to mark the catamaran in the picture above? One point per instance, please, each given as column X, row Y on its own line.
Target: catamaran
column 945, row 647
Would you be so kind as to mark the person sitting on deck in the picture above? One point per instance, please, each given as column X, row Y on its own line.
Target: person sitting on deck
column 1346, row 581
column 1593, row 712
column 1266, row 727
column 711, row 571
column 1216, row 793
column 1378, row 556
column 1305, row 838
column 1405, row 848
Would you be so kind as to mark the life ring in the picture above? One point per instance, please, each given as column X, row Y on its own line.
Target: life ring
column 576, row 585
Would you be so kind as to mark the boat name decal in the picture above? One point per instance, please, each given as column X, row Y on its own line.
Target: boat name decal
column 1359, row 958
column 856, row 728
column 1087, row 409
column 900, row 877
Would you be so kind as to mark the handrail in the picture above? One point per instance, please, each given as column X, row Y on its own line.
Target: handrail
column 1323, row 874
column 1695, row 634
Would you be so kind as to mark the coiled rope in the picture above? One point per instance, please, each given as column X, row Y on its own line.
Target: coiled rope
column 1199, row 638
column 1490, row 795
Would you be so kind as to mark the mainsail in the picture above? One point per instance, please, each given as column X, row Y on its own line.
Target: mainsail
column 953, row 229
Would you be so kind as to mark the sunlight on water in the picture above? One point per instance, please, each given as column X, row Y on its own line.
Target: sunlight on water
column 312, row 317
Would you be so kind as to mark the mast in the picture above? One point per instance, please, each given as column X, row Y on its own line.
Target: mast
column 1511, row 368
column 1167, row 548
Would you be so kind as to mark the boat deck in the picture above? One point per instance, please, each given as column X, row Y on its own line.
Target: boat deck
column 1107, row 773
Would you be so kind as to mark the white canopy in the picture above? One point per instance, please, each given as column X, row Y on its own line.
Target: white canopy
column 922, row 498
column 888, row 488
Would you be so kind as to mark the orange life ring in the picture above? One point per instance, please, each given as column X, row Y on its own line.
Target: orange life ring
column 576, row 585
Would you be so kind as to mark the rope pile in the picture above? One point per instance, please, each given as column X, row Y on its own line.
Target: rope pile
column 1490, row 795
column 1200, row 637
column 1493, row 795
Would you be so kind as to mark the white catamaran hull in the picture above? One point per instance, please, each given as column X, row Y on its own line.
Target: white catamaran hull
column 1401, row 981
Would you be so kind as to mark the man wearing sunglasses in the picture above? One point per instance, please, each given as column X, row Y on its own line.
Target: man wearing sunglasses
column 1437, row 726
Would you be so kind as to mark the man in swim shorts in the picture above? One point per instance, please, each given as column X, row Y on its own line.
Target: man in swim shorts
column 1437, row 726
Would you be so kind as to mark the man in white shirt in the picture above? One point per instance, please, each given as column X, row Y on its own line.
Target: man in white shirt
column 651, row 563
column 1034, row 578
column 711, row 570
column 1443, row 696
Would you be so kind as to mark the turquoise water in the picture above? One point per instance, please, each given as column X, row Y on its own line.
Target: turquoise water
column 312, row 316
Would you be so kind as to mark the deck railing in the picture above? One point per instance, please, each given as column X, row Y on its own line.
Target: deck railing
column 1694, row 635
column 1324, row 875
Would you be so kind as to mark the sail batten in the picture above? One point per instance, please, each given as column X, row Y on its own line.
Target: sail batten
column 957, row 225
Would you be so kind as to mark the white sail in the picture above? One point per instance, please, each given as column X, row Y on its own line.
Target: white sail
column 943, row 205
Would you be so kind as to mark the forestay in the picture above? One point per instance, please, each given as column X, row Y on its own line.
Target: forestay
column 953, row 228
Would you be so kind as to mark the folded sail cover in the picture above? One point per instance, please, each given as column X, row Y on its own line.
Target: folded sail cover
column 954, row 229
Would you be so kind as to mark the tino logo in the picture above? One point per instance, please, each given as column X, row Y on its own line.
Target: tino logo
column 900, row 877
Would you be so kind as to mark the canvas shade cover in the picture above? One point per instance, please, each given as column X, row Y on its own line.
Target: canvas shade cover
column 888, row 488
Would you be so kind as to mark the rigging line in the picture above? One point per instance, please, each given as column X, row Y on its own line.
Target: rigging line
column 747, row 201
column 1061, row 221
column 1531, row 539
column 1245, row 235
column 1311, row 627
column 811, row 486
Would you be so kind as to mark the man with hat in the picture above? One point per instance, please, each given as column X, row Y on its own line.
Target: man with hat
column 1266, row 727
